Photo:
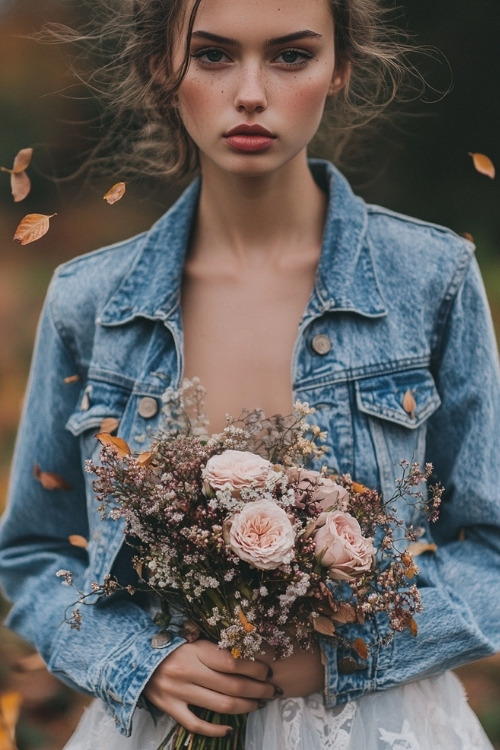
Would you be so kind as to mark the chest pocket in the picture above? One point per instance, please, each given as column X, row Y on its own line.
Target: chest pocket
column 100, row 409
column 396, row 408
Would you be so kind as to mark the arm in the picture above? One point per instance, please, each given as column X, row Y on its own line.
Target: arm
column 460, row 584
column 111, row 656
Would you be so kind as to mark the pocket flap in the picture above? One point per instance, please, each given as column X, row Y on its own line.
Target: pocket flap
column 98, row 401
column 406, row 398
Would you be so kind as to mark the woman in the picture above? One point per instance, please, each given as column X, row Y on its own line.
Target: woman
column 267, row 280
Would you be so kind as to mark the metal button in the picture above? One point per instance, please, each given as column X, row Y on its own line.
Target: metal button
column 161, row 639
column 321, row 343
column 148, row 407
column 348, row 665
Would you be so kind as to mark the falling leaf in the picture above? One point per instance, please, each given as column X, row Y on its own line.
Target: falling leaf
column 468, row 236
column 109, row 424
column 32, row 227
column 78, row 541
column 483, row 164
column 72, row 379
column 50, row 480
column 119, row 445
column 361, row 648
column 20, row 185
column 409, row 403
column 323, row 625
column 10, row 706
column 115, row 193
column 413, row 627
column 418, row 548
column 22, row 160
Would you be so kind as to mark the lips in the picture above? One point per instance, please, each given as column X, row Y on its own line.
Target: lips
column 249, row 138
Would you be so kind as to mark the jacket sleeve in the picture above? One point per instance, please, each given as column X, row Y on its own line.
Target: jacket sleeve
column 112, row 655
column 460, row 583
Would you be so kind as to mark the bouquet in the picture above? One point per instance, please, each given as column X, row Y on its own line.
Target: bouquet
column 255, row 549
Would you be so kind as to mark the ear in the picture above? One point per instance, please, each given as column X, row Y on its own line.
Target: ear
column 340, row 78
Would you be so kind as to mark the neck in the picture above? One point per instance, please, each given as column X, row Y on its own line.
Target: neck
column 271, row 214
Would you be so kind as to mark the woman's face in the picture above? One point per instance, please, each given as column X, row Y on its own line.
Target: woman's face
column 259, row 75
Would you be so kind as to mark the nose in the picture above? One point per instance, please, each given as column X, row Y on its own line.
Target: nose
column 251, row 94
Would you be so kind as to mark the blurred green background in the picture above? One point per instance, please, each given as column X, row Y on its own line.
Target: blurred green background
column 419, row 166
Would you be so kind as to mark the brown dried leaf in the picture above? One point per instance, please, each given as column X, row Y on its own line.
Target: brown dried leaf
column 417, row 548
column 50, row 480
column 409, row 403
column 109, row 424
column 10, row 707
column 20, row 185
column 115, row 193
column 413, row 627
column 119, row 445
column 483, row 164
column 22, row 160
column 71, row 379
column 144, row 459
column 78, row 541
column 361, row 648
column 323, row 625
column 32, row 227
column 344, row 613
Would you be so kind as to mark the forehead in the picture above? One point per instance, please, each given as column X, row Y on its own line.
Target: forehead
column 262, row 18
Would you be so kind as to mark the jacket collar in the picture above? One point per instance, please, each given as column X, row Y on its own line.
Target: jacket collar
column 345, row 280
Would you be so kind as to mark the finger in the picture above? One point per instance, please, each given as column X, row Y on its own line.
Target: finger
column 221, row 660
column 236, row 685
column 203, row 697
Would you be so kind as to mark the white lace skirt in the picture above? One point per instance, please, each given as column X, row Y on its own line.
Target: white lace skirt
column 431, row 714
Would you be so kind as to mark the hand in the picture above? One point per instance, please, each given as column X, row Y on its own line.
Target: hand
column 298, row 675
column 200, row 674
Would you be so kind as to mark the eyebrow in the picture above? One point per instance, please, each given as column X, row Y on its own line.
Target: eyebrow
column 295, row 36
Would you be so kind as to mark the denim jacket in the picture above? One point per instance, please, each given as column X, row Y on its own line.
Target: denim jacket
column 397, row 306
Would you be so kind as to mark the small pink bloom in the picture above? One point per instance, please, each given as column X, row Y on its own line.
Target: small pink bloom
column 238, row 469
column 345, row 551
column 312, row 488
column 262, row 535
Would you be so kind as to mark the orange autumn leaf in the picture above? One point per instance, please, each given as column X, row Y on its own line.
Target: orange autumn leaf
column 32, row 227
column 115, row 193
column 50, row 480
column 247, row 626
column 109, row 424
column 10, row 706
column 72, row 379
column 483, row 164
column 418, row 548
column 361, row 648
column 78, row 541
column 359, row 488
column 144, row 459
column 119, row 445
column 409, row 403
column 413, row 627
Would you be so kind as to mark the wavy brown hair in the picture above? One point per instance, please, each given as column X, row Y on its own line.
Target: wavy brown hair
column 131, row 44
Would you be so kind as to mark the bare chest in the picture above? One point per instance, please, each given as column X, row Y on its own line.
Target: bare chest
column 239, row 338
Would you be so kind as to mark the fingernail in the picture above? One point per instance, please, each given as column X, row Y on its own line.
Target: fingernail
column 229, row 732
column 278, row 691
column 261, row 703
column 269, row 673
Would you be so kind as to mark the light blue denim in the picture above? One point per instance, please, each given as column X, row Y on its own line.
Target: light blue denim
column 398, row 305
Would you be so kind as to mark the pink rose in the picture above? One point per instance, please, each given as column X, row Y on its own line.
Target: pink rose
column 344, row 549
column 238, row 469
column 312, row 488
column 262, row 535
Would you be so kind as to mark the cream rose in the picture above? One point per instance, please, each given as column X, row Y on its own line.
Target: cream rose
column 238, row 469
column 262, row 535
column 344, row 550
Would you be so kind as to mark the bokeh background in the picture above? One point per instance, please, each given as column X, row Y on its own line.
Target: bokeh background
column 420, row 166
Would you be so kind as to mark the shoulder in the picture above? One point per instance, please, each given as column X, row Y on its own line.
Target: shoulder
column 82, row 286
